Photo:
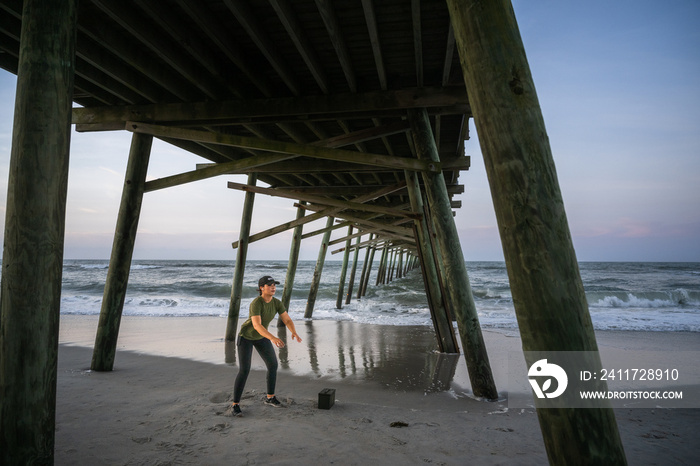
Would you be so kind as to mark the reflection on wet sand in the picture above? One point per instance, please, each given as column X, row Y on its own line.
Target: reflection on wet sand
column 404, row 358
column 396, row 357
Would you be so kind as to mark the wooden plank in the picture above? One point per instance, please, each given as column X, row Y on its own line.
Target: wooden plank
column 250, row 23
column 304, row 165
column 371, row 20
column 282, row 147
column 225, row 111
column 330, row 19
column 417, row 40
column 166, row 50
column 296, row 32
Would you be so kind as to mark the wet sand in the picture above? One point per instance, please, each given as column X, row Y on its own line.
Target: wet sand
column 165, row 401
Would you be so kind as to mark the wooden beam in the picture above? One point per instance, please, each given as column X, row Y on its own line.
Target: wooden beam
column 307, row 166
column 330, row 19
column 417, row 40
column 249, row 21
column 285, row 147
column 364, row 135
column 322, row 213
column 296, row 32
column 249, row 163
column 349, row 205
column 217, row 30
column 371, row 20
column 336, row 105
column 387, row 230
column 166, row 50
column 178, row 27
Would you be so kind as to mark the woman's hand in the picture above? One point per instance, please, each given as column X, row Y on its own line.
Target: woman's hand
column 294, row 335
column 277, row 342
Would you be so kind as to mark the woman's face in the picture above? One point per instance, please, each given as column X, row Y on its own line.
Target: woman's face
column 268, row 290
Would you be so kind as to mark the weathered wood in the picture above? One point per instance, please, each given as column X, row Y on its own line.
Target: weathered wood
column 545, row 281
column 370, row 262
column 458, row 293
column 366, row 268
column 255, row 30
column 350, row 205
column 352, row 236
column 330, row 19
column 392, row 230
column 364, row 135
column 296, row 32
column 392, row 265
column 371, row 20
column 321, row 231
column 32, row 262
column 340, row 106
column 320, row 214
column 282, row 147
column 343, row 272
column 239, row 268
column 292, row 264
column 237, row 166
column 381, row 272
column 117, row 281
column 316, row 279
column 399, row 266
column 319, row 166
column 353, row 271
column 442, row 320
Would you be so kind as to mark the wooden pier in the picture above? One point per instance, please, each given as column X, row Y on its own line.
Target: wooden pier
column 355, row 112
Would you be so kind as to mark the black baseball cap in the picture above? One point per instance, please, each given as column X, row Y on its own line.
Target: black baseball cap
column 267, row 280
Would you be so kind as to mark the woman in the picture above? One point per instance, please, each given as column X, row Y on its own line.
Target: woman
column 254, row 334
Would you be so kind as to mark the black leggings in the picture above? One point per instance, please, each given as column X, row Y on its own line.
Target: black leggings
column 245, row 354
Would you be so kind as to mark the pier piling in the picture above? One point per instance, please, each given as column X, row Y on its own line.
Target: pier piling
column 241, row 256
column 548, row 294
column 32, row 262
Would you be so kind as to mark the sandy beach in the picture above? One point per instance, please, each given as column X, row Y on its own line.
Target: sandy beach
column 397, row 400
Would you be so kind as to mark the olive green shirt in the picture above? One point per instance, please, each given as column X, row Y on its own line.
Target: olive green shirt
column 266, row 311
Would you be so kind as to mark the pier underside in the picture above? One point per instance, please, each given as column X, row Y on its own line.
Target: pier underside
column 355, row 112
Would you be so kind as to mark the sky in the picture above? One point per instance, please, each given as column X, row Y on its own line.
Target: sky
column 618, row 84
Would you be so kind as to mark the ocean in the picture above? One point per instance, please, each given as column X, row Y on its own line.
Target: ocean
column 621, row 295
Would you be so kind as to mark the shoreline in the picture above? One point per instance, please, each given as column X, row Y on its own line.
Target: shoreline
column 403, row 357
column 164, row 401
